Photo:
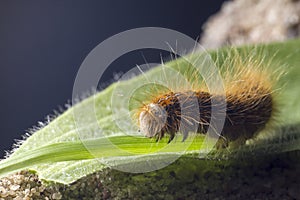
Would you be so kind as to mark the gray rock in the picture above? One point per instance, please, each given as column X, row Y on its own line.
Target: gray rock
column 252, row 21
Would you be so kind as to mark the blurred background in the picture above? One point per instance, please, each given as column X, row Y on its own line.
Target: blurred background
column 43, row 43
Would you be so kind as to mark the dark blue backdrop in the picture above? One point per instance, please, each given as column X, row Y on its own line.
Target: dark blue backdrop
column 42, row 44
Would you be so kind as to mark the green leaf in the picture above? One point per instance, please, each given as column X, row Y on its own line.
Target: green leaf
column 57, row 152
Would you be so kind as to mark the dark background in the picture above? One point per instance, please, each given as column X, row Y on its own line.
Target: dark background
column 43, row 43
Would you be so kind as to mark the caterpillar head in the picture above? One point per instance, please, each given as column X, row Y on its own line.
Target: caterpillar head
column 152, row 119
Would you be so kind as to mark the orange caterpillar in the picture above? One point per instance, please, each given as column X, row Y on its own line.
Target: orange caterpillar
column 250, row 103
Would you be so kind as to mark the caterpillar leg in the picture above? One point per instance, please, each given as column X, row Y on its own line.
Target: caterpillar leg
column 222, row 143
column 172, row 135
column 234, row 137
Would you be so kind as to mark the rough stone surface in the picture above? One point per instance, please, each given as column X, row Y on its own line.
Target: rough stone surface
column 25, row 186
column 252, row 21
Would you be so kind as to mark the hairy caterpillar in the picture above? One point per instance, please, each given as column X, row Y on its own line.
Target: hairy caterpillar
column 250, row 95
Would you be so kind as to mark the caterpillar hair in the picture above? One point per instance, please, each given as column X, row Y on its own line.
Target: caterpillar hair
column 250, row 94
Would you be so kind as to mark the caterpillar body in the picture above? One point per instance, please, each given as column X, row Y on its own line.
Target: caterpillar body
column 251, row 103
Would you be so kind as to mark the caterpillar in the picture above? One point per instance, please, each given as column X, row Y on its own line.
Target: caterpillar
column 250, row 97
